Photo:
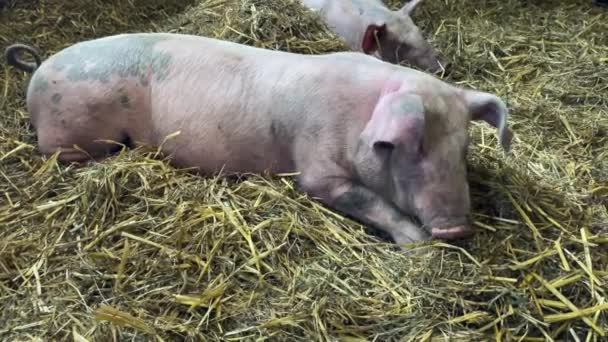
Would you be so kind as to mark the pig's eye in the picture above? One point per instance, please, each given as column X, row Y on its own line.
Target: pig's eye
column 384, row 145
column 421, row 151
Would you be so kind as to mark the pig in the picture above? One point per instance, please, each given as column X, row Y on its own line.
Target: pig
column 368, row 26
column 383, row 144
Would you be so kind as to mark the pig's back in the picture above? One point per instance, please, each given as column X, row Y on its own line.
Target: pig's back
column 247, row 108
column 229, row 109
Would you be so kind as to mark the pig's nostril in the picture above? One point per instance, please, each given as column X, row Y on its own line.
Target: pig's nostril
column 452, row 232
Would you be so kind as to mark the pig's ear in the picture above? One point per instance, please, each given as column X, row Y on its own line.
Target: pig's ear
column 369, row 43
column 409, row 6
column 491, row 109
column 396, row 121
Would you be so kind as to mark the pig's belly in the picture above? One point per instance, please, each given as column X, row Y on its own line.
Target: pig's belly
column 210, row 151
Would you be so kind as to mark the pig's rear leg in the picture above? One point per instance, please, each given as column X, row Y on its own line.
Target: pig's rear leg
column 366, row 206
column 79, row 141
column 75, row 148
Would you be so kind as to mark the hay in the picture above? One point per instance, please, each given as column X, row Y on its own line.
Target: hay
column 131, row 248
column 273, row 24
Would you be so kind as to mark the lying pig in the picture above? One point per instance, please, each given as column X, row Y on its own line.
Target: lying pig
column 368, row 26
column 376, row 141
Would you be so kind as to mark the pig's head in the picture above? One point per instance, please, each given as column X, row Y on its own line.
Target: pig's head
column 398, row 39
column 414, row 150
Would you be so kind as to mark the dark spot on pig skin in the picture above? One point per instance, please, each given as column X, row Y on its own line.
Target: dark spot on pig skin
column 63, row 123
column 56, row 98
column 143, row 81
column 93, row 107
column 124, row 101
column 56, row 112
column 273, row 129
column 278, row 131
column 314, row 131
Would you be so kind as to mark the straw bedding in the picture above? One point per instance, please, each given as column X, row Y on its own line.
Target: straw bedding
column 131, row 248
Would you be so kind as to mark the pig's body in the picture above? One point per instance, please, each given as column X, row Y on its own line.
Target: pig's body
column 370, row 27
column 244, row 109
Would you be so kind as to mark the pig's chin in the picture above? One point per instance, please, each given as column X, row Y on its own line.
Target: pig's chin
column 428, row 61
column 430, row 65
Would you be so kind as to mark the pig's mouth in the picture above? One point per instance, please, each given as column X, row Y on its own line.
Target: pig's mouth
column 451, row 233
column 451, row 230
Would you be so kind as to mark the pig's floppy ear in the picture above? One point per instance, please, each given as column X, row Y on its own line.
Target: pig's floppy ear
column 398, row 120
column 409, row 6
column 491, row 109
column 369, row 44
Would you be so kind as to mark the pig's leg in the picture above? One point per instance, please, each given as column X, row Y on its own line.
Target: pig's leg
column 91, row 115
column 366, row 206
column 81, row 139
column 75, row 147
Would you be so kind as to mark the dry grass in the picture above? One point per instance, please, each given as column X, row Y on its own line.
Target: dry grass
column 131, row 248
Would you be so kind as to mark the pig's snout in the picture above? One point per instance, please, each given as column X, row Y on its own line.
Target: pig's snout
column 437, row 65
column 450, row 233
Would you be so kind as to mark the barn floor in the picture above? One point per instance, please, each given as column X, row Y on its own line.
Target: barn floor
column 133, row 249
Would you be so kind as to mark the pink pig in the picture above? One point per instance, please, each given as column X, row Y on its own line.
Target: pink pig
column 368, row 26
column 381, row 143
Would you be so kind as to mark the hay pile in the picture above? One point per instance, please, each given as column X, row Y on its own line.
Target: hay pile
column 131, row 248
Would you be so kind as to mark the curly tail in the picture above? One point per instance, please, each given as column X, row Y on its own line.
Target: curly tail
column 12, row 59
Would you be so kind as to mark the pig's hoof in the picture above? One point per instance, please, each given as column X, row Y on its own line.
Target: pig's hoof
column 452, row 232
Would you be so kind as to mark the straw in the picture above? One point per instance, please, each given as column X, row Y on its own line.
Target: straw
column 131, row 248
